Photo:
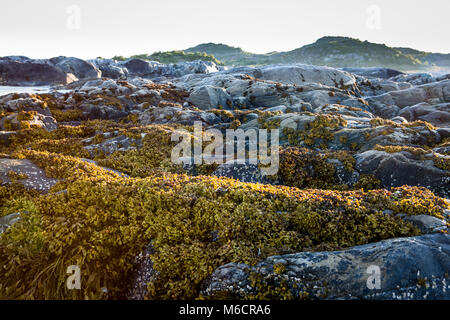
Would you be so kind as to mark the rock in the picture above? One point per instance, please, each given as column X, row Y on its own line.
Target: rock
column 8, row 221
column 5, row 137
column 35, row 176
column 399, row 120
column 343, row 110
column 276, row 109
column 151, row 69
column 301, row 87
column 22, row 71
column 377, row 86
column 433, row 93
column 245, row 172
column 104, row 112
column 120, row 174
column 397, row 269
column 342, row 175
column 383, row 73
column 177, row 114
column 398, row 169
column 80, row 68
column 142, row 275
column 109, row 146
column 414, row 78
column 38, row 120
column 141, row 68
column 438, row 114
column 443, row 132
column 427, row 224
column 190, row 67
column 208, row 97
column 110, row 68
column 298, row 74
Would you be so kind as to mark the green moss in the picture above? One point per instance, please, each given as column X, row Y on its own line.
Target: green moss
column 14, row 197
column 279, row 268
column 321, row 129
column 418, row 152
column 343, row 139
column 304, row 168
column 26, row 115
column 440, row 162
column 8, row 125
column 12, row 175
column 269, row 287
column 376, row 122
column 155, row 154
column 235, row 124
column 67, row 115
column 367, row 182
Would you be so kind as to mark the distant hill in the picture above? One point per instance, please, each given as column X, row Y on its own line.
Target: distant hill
column 334, row 52
column 348, row 52
column 173, row 57
column 330, row 51
column 438, row 59
column 232, row 55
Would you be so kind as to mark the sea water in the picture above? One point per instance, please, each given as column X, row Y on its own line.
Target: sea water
column 43, row 89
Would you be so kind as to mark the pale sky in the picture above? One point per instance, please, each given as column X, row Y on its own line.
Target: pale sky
column 91, row 28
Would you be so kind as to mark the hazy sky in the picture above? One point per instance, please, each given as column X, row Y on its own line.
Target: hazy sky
column 91, row 28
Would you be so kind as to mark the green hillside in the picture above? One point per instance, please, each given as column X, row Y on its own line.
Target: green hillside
column 330, row 51
column 173, row 57
column 232, row 55
column 348, row 52
column 438, row 59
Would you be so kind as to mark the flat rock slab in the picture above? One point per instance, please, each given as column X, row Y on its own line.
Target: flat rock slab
column 415, row 268
column 36, row 176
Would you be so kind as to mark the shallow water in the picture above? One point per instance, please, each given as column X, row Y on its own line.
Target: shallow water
column 43, row 89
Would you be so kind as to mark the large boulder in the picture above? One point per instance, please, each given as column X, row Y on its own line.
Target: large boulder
column 22, row 71
column 397, row 269
column 418, row 78
column 208, row 97
column 110, row 68
column 298, row 74
column 151, row 69
column 383, row 73
column 190, row 67
column 141, row 68
column 401, row 168
column 428, row 224
column 432, row 93
column 13, row 122
column 79, row 68
column 438, row 115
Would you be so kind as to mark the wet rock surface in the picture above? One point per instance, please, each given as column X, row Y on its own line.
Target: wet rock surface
column 404, row 269
column 33, row 176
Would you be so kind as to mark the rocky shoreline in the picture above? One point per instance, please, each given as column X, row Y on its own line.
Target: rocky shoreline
column 87, row 179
